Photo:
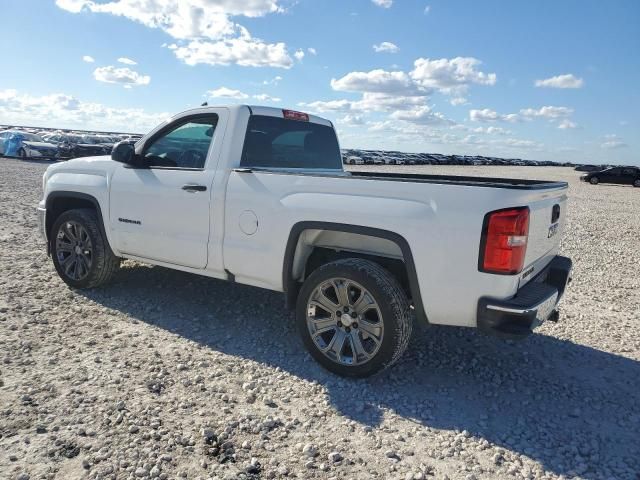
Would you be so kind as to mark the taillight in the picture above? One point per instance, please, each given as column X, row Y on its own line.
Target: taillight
column 504, row 241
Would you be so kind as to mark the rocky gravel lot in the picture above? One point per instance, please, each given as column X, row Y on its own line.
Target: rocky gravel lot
column 169, row 375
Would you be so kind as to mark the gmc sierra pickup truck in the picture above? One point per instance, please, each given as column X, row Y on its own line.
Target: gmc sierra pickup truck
column 258, row 196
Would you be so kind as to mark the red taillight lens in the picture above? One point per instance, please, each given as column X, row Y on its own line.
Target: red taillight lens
column 504, row 241
column 293, row 115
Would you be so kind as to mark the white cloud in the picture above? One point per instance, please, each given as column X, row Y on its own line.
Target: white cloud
column 386, row 47
column 73, row 6
column 421, row 115
column 547, row 112
column 299, row 54
column 230, row 93
column 312, row 51
column 458, row 101
column 376, row 81
column 247, row 52
column 206, row 27
column 88, row 59
column 613, row 141
column 497, row 131
column 224, row 92
column 123, row 75
column 382, row 102
column 65, row 111
column 274, row 81
column 182, row 19
column 528, row 144
column 127, row 61
column 567, row 124
column 485, row 115
column 351, row 120
column 328, row 106
column 383, row 3
column 263, row 97
column 427, row 9
column 561, row 81
column 452, row 76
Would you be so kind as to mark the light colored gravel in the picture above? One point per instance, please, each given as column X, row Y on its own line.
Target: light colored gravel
column 169, row 375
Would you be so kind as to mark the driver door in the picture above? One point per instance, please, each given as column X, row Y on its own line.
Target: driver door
column 161, row 211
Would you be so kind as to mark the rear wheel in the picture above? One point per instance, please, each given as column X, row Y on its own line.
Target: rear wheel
column 354, row 317
column 636, row 183
column 81, row 255
column 594, row 180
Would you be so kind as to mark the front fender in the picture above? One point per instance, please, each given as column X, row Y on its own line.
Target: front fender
column 89, row 186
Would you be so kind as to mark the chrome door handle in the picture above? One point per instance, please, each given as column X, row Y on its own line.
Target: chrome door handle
column 194, row 188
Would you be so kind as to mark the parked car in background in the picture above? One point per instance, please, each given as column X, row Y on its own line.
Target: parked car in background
column 73, row 146
column 16, row 143
column 353, row 160
column 589, row 168
column 617, row 175
column 104, row 142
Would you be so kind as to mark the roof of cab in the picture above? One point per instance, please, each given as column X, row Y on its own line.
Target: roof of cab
column 271, row 112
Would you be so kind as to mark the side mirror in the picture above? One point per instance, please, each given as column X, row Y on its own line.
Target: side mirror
column 124, row 152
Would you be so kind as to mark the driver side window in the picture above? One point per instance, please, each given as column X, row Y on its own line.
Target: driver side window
column 183, row 145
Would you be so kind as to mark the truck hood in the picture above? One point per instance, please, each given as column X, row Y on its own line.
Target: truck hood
column 102, row 165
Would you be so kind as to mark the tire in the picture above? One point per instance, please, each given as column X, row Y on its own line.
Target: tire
column 594, row 180
column 636, row 183
column 389, row 321
column 98, row 264
column 22, row 154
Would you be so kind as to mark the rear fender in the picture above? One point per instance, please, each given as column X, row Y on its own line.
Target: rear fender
column 291, row 285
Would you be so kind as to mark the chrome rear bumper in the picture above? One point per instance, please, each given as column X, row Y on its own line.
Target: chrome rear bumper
column 532, row 305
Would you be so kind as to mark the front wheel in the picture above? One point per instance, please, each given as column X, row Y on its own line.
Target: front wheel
column 636, row 183
column 22, row 154
column 594, row 180
column 81, row 255
column 354, row 317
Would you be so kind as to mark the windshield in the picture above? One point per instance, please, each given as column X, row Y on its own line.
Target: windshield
column 283, row 143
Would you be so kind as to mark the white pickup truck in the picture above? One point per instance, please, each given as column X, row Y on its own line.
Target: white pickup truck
column 258, row 196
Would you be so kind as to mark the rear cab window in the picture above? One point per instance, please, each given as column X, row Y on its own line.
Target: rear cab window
column 273, row 142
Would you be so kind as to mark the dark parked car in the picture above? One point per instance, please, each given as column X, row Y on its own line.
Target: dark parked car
column 72, row 146
column 106, row 142
column 617, row 175
column 589, row 168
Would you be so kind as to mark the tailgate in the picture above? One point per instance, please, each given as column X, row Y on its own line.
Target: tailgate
column 547, row 217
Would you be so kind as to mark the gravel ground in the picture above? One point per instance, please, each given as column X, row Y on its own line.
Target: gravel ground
column 169, row 375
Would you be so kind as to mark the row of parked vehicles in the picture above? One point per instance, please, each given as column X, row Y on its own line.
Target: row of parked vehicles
column 56, row 144
column 390, row 157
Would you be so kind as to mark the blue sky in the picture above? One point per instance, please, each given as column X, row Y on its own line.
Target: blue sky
column 551, row 80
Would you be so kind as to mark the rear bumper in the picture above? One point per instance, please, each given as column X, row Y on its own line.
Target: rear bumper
column 532, row 305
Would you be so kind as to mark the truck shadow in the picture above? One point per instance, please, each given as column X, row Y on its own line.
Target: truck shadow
column 567, row 406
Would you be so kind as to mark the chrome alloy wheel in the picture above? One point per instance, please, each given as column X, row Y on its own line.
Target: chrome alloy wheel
column 345, row 322
column 74, row 250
